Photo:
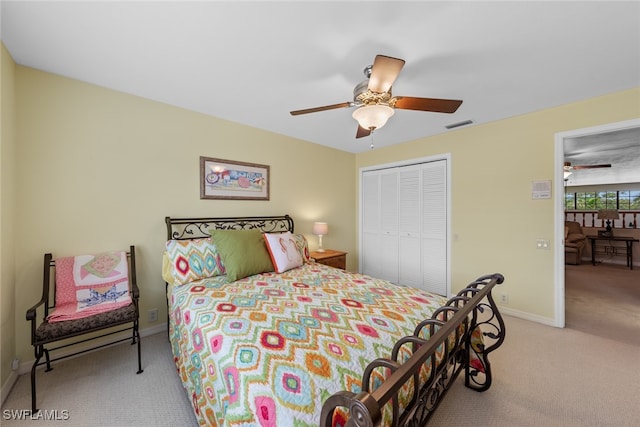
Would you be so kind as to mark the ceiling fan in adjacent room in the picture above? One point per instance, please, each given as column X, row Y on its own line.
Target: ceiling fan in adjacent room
column 376, row 103
column 569, row 168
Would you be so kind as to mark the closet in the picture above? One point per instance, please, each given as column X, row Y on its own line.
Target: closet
column 404, row 234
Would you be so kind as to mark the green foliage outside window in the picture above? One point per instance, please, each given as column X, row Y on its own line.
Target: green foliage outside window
column 594, row 200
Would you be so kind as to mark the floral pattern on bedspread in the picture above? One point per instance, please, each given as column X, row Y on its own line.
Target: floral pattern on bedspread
column 269, row 349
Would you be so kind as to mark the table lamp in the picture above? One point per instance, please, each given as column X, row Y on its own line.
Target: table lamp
column 608, row 214
column 320, row 229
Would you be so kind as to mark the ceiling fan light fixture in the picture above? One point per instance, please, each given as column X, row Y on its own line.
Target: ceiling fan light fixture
column 373, row 116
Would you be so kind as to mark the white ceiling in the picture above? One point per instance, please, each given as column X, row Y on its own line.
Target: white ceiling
column 253, row 62
column 619, row 148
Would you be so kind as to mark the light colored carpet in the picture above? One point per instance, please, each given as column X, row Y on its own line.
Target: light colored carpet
column 542, row 376
column 102, row 389
column 603, row 300
column 546, row 376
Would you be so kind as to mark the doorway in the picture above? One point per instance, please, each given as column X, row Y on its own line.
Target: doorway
column 559, row 267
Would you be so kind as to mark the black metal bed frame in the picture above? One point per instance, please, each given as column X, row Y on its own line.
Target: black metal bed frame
column 462, row 312
column 198, row 228
column 194, row 228
column 471, row 309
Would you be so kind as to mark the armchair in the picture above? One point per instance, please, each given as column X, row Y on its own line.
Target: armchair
column 48, row 332
column 574, row 242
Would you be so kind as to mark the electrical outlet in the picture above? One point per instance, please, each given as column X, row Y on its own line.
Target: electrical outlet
column 542, row 244
column 504, row 298
column 153, row 315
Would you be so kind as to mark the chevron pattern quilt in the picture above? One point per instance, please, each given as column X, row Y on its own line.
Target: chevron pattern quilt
column 267, row 350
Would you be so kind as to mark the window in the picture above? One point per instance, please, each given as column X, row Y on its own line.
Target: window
column 569, row 201
column 629, row 199
column 594, row 200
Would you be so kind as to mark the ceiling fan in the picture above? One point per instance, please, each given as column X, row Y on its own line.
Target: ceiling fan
column 568, row 168
column 376, row 103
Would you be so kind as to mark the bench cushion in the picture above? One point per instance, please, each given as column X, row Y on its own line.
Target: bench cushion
column 48, row 332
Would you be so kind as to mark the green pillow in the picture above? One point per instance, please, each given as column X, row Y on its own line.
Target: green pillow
column 243, row 252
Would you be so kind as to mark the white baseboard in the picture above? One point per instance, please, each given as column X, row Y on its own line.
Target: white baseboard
column 25, row 366
column 8, row 385
column 526, row 316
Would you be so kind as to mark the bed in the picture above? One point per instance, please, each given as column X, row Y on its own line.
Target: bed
column 312, row 344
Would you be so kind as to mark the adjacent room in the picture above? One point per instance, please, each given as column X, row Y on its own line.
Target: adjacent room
column 601, row 215
column 228, row 213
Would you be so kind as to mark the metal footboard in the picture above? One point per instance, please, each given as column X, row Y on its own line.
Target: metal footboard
column 444, row 346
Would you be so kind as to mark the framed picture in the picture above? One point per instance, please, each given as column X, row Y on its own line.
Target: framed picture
column 231, row 180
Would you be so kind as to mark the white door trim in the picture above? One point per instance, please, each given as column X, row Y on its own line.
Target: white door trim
column 559, row 305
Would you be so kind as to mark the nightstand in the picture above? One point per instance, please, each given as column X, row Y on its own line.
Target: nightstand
column 331, row 258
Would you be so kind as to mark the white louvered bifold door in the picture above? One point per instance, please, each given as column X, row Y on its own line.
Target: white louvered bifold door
column 409, row 227
column 380, row 224
column 389, row 225
column 404, row 225
column 434, row 226
column 371, row 257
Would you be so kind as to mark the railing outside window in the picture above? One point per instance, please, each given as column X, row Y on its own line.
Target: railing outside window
column 629, row 219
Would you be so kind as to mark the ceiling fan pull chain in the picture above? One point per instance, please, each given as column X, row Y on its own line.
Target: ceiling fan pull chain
column 371, row 139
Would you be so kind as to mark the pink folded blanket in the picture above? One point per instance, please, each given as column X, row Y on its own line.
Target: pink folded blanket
column 90, row 284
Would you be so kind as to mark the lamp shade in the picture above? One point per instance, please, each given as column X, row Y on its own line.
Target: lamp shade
column 608, row 214
column 320, row 228
column 373, row 116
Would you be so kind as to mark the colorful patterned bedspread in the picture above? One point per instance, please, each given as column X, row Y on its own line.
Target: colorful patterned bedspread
column 267, row 350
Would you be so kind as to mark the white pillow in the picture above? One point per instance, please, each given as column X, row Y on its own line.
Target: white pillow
column 283, row 251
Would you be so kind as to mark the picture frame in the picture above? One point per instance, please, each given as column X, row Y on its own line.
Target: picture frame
column 233, row 180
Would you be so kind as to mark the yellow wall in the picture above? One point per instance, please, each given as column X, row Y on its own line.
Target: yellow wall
column 99, row 170
column 7, row 212
column 493, row 214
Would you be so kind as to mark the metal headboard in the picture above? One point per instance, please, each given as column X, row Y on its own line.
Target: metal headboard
column 195, row 228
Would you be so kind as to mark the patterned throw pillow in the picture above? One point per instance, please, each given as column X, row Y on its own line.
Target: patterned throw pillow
column 193, row 260
column 303, row 246
column 283, row 251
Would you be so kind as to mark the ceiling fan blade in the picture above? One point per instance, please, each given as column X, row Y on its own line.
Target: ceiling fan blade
column 326, row 107
column 590, row 166
column 427, row 104
column 384, row 72
column 362, row 132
